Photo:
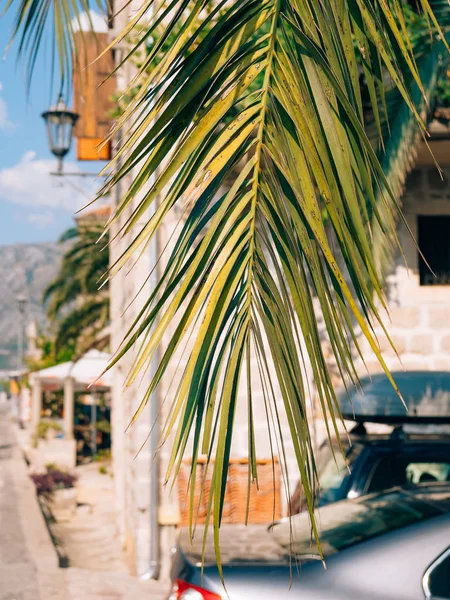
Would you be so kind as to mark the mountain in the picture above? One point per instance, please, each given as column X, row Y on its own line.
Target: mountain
column 25, row 270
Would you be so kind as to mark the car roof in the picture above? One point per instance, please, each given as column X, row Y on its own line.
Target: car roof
column 390, row 439
column 400, row 434
column 240, row 544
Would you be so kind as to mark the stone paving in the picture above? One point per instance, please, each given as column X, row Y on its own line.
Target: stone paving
column 18, row 578
column 101, row 585
column 97, row 566
column 28, row 561
column 90, row 538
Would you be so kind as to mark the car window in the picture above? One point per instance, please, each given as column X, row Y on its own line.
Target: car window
column 331, row 475
column 420, row 472
column 437, row 578
column 395, row 470
column 333, row 470
column 348, row 523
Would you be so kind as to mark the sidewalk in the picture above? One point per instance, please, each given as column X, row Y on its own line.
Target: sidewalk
column 28, row 561
column 98, row 569
column 90, row 538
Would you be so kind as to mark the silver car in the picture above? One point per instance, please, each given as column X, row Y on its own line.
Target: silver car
column 393, row 545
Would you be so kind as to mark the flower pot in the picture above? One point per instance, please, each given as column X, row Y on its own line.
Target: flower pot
column 59, row 451
column 63, row 504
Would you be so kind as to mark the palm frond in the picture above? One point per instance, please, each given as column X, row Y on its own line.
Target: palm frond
column 271, row 98
column 36, row 21
column 81, row 326
column 77, row 309
column 83, row 265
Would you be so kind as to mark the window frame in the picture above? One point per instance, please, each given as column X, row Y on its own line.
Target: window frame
column 426, row 577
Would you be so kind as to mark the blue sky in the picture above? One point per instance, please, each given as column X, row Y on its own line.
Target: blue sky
column 34, row 206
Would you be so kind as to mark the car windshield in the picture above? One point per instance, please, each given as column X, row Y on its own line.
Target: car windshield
column 352, row 522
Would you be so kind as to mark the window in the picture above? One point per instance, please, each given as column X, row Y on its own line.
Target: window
column 334, row 471
column 422, row 472
column 333, row 475
column 436, row 581
column 434, row 243
column 402, row 470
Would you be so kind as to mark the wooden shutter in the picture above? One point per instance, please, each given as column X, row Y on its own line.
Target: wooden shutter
column 92, row 96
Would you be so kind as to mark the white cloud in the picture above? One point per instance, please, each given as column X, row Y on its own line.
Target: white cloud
column 41, row 220
column 5, row 123
column 98, row 22
column 29, row 183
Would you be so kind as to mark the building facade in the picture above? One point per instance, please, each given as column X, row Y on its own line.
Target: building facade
column 420, row 326
column 418, row 294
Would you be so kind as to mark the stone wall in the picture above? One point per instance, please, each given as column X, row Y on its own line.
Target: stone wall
column 419, row 315
column 131, row 456
column 420, row 328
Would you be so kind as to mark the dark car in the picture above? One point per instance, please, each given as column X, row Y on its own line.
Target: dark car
column 393, row 545
column 377, row 462
column 417, row 450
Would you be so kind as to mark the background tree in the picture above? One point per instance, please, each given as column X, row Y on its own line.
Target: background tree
column 77, row 309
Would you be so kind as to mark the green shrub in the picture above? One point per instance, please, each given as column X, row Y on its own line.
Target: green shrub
column 104, row 426
column 104, row 454
column 42, row 429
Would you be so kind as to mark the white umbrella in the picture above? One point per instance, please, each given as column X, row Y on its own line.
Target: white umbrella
column 85, row 371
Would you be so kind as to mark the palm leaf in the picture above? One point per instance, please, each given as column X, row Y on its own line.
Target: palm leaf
column 76, row 308
column 83, row 265
column 251, row 263
column 266, row 93
column 37, row 20
column 81, row 326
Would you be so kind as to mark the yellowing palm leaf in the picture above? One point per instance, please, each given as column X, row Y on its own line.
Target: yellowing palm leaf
column 250, row 261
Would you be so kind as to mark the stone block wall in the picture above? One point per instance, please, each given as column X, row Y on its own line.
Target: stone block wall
column 131, row 456
column 419, row 321
column 420, row 328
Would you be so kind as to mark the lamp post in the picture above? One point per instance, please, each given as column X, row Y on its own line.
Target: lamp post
column 21, row 306
column 60, row 122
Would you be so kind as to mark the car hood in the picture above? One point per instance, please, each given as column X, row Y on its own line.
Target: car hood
column 239, row 545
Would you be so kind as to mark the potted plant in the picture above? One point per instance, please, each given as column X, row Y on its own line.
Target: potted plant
column 46, row 429
column 57, row 487
column 51, row 446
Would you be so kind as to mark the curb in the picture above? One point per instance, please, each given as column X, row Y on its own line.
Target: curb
column 63, row 559
column 40, row 546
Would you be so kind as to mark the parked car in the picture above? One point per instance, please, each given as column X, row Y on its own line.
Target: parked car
column 417, row 450
column 376, row 462
column 393, row 545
